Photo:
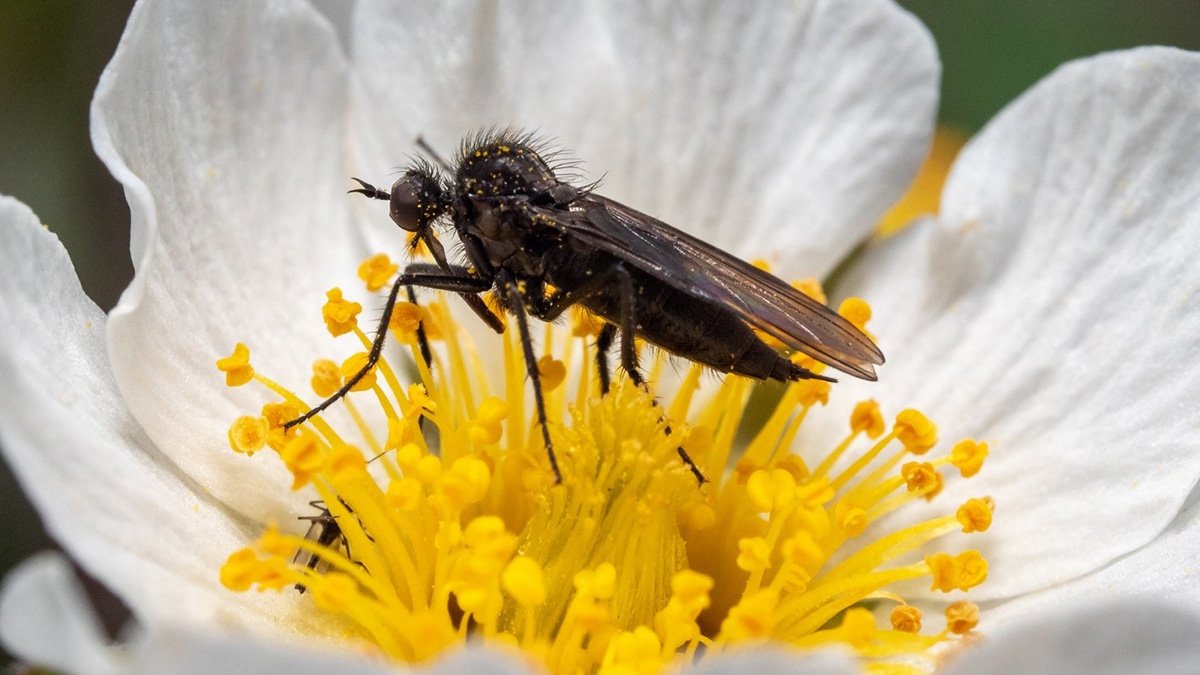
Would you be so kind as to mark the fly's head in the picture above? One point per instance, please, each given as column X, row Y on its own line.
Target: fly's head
column 416, row 202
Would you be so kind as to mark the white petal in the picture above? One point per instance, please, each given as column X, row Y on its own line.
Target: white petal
column 1126, row 637
column 182, row 652
column 223, row 121
column 1164, row 570
column 45, row 619
column 780, row 130
column 775, row 659
column 117, row 505
column 177, row 652
column 1053, row 314
column 442, row 69
column 480, row 660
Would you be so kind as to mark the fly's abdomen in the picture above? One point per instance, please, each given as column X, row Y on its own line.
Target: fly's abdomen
column 695, row 330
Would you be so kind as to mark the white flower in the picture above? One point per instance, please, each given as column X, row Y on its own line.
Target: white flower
column 1046, row 311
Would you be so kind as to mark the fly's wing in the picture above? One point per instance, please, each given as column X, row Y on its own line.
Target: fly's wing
column 706, row 272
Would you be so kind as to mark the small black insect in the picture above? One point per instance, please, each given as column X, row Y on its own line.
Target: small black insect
column 323, row 529
column 523, row 228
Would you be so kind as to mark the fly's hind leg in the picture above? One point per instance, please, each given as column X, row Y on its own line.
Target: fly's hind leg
column 628, row 329
column 603, row 342
column 629, row 362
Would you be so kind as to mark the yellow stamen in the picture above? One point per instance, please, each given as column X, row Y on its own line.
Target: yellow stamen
column 962, row 617
column 968, row 456
column 812, row 288
column 906, row 618
column 248, row 434
column 453, row 528
column 341, row 316
column 376, row 271
column 856, row 311
column 236, row 366
column 924, row 195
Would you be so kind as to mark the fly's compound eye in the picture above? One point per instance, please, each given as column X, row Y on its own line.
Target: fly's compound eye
column 416, row 202
column 407, row 208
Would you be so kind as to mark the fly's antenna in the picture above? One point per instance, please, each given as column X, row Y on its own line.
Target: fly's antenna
column 437, row 159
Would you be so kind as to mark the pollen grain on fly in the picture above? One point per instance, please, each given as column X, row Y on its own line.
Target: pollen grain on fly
column 451, row 526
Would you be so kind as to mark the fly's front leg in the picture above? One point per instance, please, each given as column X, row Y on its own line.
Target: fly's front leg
column 457, row 283
column 516, row 304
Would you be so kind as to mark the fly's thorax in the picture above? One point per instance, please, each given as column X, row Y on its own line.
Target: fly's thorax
column 508, row 169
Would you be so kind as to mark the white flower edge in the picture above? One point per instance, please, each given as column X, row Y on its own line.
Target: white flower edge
column 121, row 508
column 1162, row 571
column 52, row 612
column 1047, row 312
column 1128, row 636
column 46, row 620
column 228, row 151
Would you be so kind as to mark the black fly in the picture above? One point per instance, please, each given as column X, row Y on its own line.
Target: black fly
column 523, row 229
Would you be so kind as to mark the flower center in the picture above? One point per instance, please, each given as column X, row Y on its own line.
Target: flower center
column 440, row 520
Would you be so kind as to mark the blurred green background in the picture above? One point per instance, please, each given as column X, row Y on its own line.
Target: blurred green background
column 52, row 53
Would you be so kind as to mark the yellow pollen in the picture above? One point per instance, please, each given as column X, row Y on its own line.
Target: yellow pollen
column 964, row 571
column 376, row 271
column 856, row 311
column 755, row 554
column 523, row 581
column 236, row 366
column 638, row 652
column 248, row 434
column 762, row 264
column 334, row 593
column 859, row 626
column 852, row 518
column 803, row 549
column 924, row 195
column 811, row 392
column 341, row 316
column 303, row 456
column 921, row 477
column 465, row 483
column 915, row 431
column 327, row 377
column 975, row 514
column 441, row 522
column 962, row 617
column 866, row 418
column 277, row 414
column 906, row 618
column 812, row 288
column 240, row 570
column 350, row 367
column 406, row 318
column 552, row 372
column 584, row 323
column 405, row 494
column 752, row 618
column 346, row 462
column 968, row 455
